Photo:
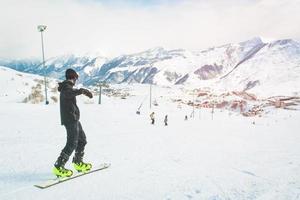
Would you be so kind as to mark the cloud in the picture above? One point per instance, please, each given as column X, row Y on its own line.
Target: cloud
column 113, row 29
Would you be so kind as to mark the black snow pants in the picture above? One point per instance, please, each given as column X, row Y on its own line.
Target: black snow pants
column 76, row 139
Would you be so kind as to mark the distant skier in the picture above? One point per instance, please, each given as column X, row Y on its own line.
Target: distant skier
column 70, row 114
column 166, row 120
column 152, row 118
column 186, row 118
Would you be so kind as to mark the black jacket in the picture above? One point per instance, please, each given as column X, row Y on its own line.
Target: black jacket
column 69, row 111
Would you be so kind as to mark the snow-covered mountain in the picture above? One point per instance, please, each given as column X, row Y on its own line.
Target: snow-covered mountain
column 266, row 68
column 276, row 67
column 169, row 67
column 86, row 65
column 250, row 65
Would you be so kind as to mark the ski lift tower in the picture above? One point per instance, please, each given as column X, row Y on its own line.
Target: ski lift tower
column 193, row 93
column 42, row 28
column 150, row 95
column 100, row 85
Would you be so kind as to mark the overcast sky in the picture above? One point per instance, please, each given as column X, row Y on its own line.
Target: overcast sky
column 127, row 26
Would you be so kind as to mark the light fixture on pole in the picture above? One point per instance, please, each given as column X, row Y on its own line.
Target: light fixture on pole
column 42, row 28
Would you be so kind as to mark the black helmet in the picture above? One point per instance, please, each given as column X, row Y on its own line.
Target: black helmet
column 71, row 74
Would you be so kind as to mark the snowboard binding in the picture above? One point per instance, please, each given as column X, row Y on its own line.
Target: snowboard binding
column 82, row 166
column 61, row 172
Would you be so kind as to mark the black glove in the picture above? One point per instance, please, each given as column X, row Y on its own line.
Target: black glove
column 86, row 92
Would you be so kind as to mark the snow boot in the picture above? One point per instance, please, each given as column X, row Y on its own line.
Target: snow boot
column 79, row 165
column 59, row 169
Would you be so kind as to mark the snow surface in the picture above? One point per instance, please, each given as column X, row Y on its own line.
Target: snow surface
column 16, row 86
column 218, row 157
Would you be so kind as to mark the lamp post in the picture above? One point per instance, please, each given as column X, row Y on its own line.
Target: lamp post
column 42, row 28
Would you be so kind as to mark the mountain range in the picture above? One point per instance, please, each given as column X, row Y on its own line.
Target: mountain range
column 252, row 65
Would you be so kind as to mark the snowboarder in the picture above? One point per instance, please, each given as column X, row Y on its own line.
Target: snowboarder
column 152, row 118
column 186, row 118
column 166, row 120
column 70, row 114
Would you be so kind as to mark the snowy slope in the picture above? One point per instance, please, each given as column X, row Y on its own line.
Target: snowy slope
column 228, row 157
column 17, row 86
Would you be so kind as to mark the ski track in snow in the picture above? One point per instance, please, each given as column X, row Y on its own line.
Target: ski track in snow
column 227, row 158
